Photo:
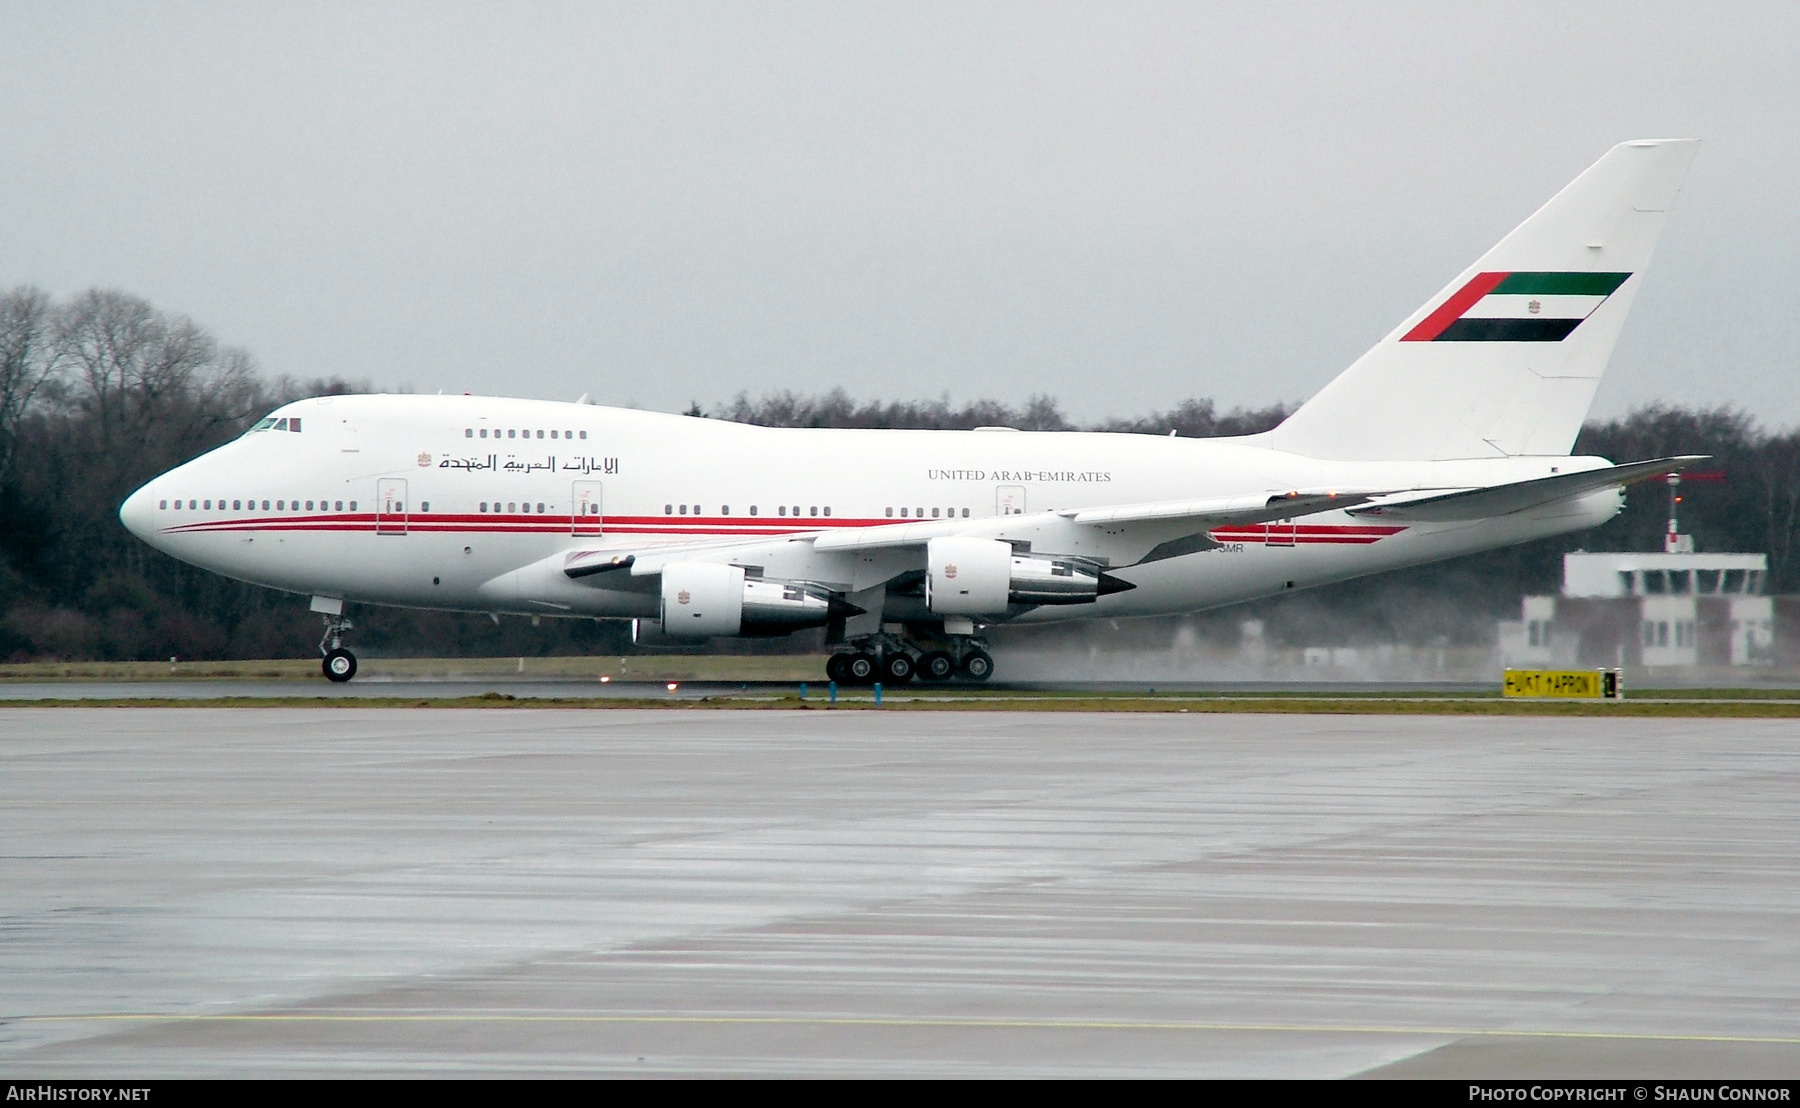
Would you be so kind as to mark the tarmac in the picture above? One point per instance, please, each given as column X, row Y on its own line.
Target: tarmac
column 210, row 892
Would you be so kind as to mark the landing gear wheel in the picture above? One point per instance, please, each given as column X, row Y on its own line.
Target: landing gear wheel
column 977, row 666
column 897, row 668
column 860, row 669
column 937, row 666
column 837, row 668
column 340, row 665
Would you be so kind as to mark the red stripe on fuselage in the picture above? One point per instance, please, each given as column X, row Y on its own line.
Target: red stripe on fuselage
column 1308, row 533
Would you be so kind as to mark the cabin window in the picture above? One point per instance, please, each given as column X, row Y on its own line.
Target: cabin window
column 782, row 510
column 425, row 506
column 827, row 509
column 484, row 432
column 890, row 513
column 934, row 513
column 512, row 433
column 553, row 434
column 905, row 513
column 484, row 505
column 540, row 434
column 584, row 434
column 796, row 509
column 965, row 513
column 724, row 509
column 309, row 505
column 265, row 506
column 540, row 507
column 752, row 509
column 162, row 503
column 684, row 509
column 468, row 432
column 236, row 505
column 920, row 512
column 814, row 511
column 571, row 434
column 668, row 509
column 511, row 507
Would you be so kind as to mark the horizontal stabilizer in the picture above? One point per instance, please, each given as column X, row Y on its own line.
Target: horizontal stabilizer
column 1519, row 496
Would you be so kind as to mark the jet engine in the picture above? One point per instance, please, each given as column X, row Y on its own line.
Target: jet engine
column 970, row 577
column 706, row 599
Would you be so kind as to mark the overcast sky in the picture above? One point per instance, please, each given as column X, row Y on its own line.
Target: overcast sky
column 1120, row 205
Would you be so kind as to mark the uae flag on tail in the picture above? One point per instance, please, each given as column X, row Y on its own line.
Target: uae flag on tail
column 1517, row 307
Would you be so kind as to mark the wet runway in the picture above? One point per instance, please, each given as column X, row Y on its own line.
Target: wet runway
column 199, row 892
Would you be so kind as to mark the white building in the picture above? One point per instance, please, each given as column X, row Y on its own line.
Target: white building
column 1674, row 608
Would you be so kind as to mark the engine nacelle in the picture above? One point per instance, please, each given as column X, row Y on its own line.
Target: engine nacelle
column 967, row 577
column 971, row 577
column 703, row 600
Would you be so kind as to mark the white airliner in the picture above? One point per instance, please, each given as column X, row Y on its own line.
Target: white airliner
column 1451, row 435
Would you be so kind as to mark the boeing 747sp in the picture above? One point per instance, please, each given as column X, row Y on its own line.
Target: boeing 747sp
column 1452, row 435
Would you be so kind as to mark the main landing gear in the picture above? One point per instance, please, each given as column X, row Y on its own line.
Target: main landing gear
column 339, row 664
column 893, row 660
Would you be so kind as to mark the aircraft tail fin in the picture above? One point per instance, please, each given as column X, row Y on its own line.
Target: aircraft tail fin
column 1505, row 360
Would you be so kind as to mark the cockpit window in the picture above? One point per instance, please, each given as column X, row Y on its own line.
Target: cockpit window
column 271, row 423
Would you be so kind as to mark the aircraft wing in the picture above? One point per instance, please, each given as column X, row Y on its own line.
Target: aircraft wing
column 1193, row 515
column 1436, row 506
column 1117, row 535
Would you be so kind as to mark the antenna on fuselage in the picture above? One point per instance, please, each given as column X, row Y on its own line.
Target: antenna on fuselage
column 583, row 399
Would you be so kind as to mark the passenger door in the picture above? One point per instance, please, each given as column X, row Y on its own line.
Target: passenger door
column 390, row 506
column 584, row 508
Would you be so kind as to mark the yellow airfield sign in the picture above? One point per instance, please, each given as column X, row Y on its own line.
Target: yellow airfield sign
column 1578, row 684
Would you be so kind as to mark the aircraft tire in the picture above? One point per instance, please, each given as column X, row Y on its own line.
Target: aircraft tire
column 339, row 665
column 977, row 665
column 937, row 666
column 837, row 668
column 897, row 668
column 861, row 669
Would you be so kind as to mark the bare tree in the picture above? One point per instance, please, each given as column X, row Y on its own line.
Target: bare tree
column 28, row 360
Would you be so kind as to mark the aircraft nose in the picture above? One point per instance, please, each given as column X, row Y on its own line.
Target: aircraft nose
column 138, row 514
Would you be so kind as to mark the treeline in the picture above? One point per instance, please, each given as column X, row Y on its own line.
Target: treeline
column 101, row 391
column 1190, row 419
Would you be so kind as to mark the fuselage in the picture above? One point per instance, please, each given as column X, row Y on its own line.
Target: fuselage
column 427, row 501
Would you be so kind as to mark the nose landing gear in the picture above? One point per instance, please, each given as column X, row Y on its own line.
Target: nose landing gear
column 339, row 664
